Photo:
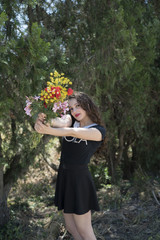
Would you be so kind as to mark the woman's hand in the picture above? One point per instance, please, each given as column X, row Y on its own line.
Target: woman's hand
column 40, row 127
column 41, row 117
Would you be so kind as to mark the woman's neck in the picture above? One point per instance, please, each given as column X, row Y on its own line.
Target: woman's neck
column 85, row 122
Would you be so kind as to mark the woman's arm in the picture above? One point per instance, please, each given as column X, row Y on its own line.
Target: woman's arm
column 65, row 121
column 82, row 133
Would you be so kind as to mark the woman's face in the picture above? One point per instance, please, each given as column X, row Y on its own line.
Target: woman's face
column 76, row 110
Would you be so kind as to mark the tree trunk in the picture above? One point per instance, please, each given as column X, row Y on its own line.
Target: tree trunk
column 30, row 17
column 4, row 211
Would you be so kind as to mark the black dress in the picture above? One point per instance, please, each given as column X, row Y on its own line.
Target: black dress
column 75, row 190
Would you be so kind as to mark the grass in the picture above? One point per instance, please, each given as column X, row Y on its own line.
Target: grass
column 128, row 211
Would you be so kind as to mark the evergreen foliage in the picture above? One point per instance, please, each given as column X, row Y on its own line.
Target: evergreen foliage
column 110, row 49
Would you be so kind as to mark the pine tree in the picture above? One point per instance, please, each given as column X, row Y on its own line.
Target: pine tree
column 24, row 68
column 112, row 47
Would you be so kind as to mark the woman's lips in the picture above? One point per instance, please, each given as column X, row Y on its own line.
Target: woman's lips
column 77, row 115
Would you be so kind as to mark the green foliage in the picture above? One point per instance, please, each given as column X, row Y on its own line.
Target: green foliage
column 37, row 46
column 11, row 231
column 110, row 49
column 111, row 198
column 142, row 181
column 117, row 63
column 23, row 69
column 3, row 19
column 157, row 237
column 100, row 174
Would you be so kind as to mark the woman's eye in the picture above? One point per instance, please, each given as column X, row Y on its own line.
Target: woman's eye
column 76, row 106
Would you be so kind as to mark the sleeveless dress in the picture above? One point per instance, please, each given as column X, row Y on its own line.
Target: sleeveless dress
column 75, row 189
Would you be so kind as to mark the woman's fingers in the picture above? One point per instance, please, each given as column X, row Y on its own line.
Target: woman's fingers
column 38, row 126
column 41, row 117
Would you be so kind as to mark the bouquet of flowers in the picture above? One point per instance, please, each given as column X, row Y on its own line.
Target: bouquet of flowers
column 52, row 100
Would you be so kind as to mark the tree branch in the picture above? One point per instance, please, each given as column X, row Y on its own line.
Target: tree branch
column 154, row 195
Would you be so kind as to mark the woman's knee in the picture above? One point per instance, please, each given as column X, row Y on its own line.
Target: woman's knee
column 73, row 231
column 69, row 224
column 69, row 228
column 84, row 231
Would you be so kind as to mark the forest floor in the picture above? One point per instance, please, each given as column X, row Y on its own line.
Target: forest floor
column 127, row 212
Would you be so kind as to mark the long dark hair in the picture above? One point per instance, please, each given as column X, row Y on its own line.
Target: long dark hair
column 88, row 105
column 93, row 113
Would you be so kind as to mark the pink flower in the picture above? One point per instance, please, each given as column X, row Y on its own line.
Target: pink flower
column 55, row 107
column 28, row 107
column 28, row 101
column 28, row 110
column 37, row 98
column 61, row 106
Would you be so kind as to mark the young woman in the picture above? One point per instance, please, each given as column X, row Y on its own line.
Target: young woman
column 82, row 133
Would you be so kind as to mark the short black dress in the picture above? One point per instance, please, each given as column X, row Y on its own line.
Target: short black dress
column 75, row 189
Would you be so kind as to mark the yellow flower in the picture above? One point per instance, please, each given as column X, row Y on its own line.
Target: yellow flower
column 52, row 79
column 56, row 81
column 56, row 74
column 51, row 74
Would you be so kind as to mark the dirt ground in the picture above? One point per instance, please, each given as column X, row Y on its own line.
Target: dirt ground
column 126, row 213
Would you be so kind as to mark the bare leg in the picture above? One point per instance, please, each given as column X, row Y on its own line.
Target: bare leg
column 71, row 227
column 84, row 226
